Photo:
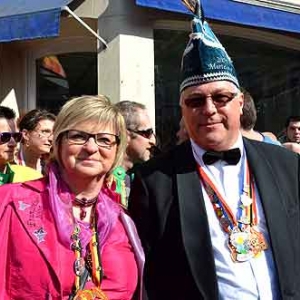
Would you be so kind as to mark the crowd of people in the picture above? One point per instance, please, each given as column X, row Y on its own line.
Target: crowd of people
column 91, row 208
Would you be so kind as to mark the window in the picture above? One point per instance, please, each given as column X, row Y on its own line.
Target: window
column 61, row 77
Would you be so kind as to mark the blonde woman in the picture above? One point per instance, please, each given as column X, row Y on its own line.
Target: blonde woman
column 70, row 238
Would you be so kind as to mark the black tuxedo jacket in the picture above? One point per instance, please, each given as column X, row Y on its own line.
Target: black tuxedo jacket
column 168, row 208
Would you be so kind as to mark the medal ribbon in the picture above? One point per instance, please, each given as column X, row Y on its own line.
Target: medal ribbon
column 223, row 212
column 245, row 241
column 96, row 269
column 245, row 211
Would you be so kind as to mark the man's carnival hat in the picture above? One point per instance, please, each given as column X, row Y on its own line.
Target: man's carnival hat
column 204, row 59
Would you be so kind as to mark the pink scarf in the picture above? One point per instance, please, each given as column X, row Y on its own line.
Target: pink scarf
column 60, row 201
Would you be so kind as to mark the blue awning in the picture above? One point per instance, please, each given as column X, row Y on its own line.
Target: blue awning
column 235, row 12
column 29, row 19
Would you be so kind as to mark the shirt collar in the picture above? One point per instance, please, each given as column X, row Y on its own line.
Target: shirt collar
column 198, row 151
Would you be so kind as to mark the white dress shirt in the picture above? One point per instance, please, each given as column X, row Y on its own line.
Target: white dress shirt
column 253, row 279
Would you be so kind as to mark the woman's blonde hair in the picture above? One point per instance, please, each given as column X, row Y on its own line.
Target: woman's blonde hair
column 89, row 108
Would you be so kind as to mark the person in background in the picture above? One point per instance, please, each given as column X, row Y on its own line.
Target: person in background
column 248, row 121
column 37, row 129
column 181, row 134
column 292, row 129
column 218, row 215
column 9, row 139
column 141, row 144
column 140, row 133
column 292, row 134
column 70, row 238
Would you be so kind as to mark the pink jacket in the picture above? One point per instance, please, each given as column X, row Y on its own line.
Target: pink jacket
column 26, row 224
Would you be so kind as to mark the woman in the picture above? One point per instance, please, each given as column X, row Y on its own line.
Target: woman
column 70, row 237
column 37, row 129
column 9, row 139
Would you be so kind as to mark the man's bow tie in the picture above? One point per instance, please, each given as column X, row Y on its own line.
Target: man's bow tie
column 231, row 156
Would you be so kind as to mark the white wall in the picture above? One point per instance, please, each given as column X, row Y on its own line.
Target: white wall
column 11, row 76
column 126, row 67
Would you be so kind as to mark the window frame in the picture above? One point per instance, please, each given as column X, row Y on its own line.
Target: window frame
column 61, row 45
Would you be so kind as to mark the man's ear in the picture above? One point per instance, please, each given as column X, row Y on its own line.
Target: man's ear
column 128, row 137
column 241, row 100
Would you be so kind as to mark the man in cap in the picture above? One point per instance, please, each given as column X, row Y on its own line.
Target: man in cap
column 218, row 215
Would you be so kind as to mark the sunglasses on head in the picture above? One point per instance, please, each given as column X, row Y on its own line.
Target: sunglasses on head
column 147, row 133
column 5, row 137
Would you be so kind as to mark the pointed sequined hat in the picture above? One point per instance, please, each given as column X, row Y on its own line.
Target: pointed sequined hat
column 204, row 59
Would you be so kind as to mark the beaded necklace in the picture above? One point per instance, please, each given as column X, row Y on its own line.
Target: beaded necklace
column 83, row 204
column 87, row 267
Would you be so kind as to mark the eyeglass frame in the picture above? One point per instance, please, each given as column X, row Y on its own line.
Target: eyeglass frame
column 146, row 133
column 94, row 136
column 202, row 98
column 11, row 136
column 42, row 134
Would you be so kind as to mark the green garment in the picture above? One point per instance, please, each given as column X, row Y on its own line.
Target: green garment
column 119, row 175
column 123, row 180
column 8, row 176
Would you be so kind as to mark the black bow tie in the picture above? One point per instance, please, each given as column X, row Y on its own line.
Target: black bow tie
column 232, row 156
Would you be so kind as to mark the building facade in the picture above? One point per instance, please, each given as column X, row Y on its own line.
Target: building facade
column 145, row 40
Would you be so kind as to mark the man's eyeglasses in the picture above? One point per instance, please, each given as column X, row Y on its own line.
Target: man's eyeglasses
column 106, row 140
column 147, row 133
column 5, row 137
column 218, row 99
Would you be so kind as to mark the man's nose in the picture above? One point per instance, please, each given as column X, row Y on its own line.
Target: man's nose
column 50, row 138
column 152, row 139
column 208, row 107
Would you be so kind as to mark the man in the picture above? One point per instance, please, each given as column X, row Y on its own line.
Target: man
column 292, row 129
column 141, row 138
column 217, row 224
column 292, row 134
column 9, row 138
column 248, row 120
column 141, row 144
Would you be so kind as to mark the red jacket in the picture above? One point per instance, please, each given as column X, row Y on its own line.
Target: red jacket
column 35, row 265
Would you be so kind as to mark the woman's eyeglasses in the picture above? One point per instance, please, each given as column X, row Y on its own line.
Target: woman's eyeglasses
column 5, row 137
column 106, row 140
column 218, row 99
column 147, row 133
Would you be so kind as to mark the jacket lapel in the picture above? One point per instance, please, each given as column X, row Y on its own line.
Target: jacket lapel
column 277, row 217
column 194, row 223
column 137, row 247
column 35, row 215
